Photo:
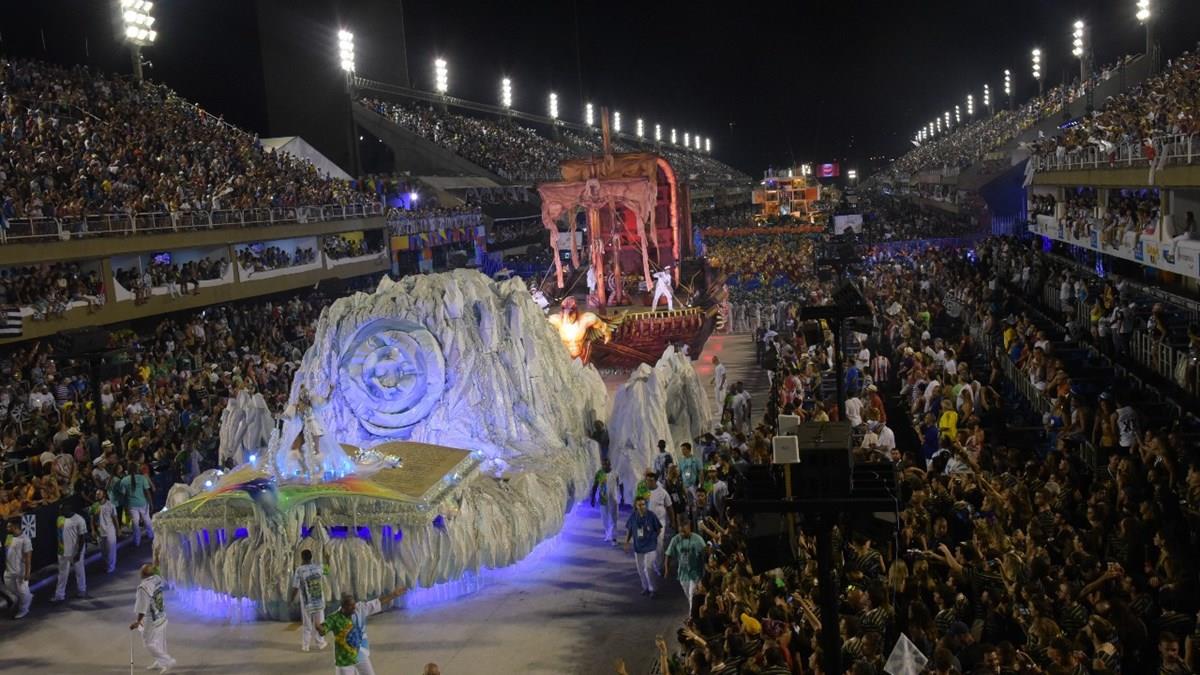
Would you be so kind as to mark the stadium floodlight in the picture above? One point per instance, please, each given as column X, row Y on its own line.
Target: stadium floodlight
column 506, row 92
column 1077, row 42
column 708, row 144
column 946, row 115
column 852, row 174
column 346, row 50
column 658, row 133
column 617, row 122
column 697, row 142
column 687, row 140
column 970, row 105
column 640, row 128
column 441, row 76
column 589, row 115
column 957, row 115
column 139, row 23
column 674, row 139
column 987, row 97
column 1007, row 82
column 1037, row 68
column 1143, row 10
column 139, row 30
column 939, row 124
column 553, row 106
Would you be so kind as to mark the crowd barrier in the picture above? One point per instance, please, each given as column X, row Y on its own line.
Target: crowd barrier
column 24, row 230
column 1174, row 149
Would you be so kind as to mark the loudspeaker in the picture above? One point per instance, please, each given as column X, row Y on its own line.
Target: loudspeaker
column 82, row 341
column 767, row 546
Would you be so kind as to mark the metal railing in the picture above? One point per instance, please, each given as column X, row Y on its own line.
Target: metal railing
column 401, row 223
column 25, row 230
column 1174, row 149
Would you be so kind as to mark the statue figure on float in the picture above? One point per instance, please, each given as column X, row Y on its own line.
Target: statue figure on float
column 305, row 450
column 573, row 328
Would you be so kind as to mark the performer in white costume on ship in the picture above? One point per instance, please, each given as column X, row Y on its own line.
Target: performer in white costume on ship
column 662, row 288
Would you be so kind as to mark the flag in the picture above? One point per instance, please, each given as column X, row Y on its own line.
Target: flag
column 14, row 323
column 905, row 658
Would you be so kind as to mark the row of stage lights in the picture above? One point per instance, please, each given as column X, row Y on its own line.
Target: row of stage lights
column 441, row 84
column 1079, row 49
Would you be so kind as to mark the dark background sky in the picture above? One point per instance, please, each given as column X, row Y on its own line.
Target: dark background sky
column 769, row 82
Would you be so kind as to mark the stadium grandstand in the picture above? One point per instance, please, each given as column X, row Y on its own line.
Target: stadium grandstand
column 385, row 354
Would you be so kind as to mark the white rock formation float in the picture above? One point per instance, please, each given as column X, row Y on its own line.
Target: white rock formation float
column 664, row 402
column 449, row 359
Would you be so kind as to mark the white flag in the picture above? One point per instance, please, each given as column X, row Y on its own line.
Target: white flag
column 905, row 658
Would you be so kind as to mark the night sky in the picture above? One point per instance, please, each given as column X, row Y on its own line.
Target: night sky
column 769, row 82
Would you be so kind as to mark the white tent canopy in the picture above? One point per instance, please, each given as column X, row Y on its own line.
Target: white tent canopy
column 299, row 148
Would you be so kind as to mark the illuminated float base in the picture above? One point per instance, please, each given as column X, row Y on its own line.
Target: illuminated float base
column 474, row 420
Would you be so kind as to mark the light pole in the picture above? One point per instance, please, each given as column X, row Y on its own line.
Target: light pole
column 640, row 128
column 970, row 105
column 708, row 145
column 1143, row 17
column 987, row 99
column 1079, row 50
column 658, row 133
column 1037, row 68
column 957, row 115
column 617, row 123
column 1008, row 87
column 441, row 76
column 554, row 107
column 346, row 61
column 589, row 115
column 139, row 30
column 674, row 138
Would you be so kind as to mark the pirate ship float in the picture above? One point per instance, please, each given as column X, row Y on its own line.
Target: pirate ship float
column 622, row 216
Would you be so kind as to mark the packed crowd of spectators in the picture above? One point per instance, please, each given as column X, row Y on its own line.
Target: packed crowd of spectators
column 337, row 247
column 1012, row 553
column 429, row 218
column 75, row 142
column 522, row 154
column 159, row 272
column 161, row 418
column 525, row 230
column 49, row 289
column 1128, row 214
column 1042, row 205
column 257, row 257
column 1163, row 105
column 891, row 220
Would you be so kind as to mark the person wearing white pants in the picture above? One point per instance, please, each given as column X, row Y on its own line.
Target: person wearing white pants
column 139, row 494
column 690, row 551
column 152, row 618
column 607, row 484
column 642, row 531
column 306, row 582
column 72, row 538
column 18, row 553
column 104, row 524
column 662, row 288
column 351, row 649
column 720, row 384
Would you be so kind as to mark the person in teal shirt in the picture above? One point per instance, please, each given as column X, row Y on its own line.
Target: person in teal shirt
column 139, row 493
column 690, row 550
column 691, row 469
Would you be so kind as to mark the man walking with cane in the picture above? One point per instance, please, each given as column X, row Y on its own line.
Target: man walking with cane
column 152, row 618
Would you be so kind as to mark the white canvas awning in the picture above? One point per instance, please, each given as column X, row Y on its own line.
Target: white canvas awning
column 299, row 148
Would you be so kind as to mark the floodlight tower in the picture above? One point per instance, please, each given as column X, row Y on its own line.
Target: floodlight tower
column 1037, row 68
column 1008, row 87
column 139, row 30
column 987, row 99
column 708, row 145
column 970, row 105
column 441, row 79
column 346, row 61
column 506, row 98
column 1143, row 17
column 1079, row 49
column 658, row 133
column 674, row 138
column 640, row 128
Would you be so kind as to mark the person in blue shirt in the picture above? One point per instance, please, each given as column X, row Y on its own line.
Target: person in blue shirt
column 641, row 530
column 853, row 376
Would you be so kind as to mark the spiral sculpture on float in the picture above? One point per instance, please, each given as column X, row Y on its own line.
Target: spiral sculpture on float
column 435, row 427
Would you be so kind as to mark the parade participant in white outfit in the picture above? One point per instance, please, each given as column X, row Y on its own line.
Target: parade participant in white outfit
column 72, row 540
column 351, row 650
column 662, row 506
column 306, row 582
column 152, row 618
column 607, row 484
column 662, row 288
column 591, row 280
column 18, row 555
column 720, row 384
column 105, row 525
